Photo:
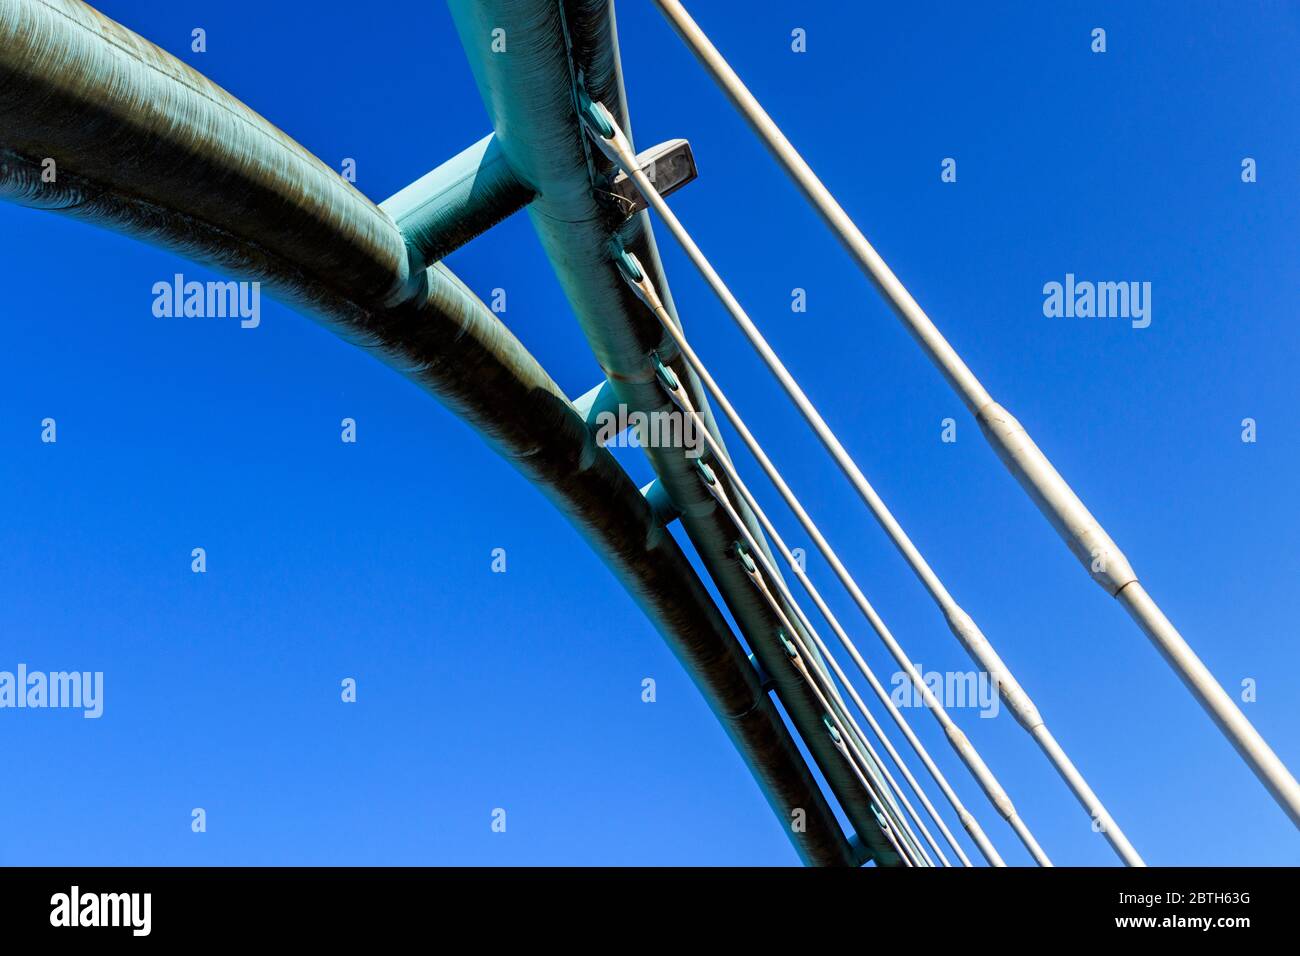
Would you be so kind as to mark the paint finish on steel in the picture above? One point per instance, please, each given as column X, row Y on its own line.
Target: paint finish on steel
column 553, row 49
column 462, row 198
column 146, row 146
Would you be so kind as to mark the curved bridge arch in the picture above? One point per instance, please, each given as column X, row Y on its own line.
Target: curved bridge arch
column 191, row 168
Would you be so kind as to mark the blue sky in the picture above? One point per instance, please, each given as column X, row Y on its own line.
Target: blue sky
column 522, row 690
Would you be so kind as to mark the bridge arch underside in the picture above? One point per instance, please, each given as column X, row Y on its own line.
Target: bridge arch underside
column 147, row 146
column 558, row 51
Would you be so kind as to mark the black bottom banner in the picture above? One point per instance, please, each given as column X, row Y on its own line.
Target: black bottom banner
column 915, row 907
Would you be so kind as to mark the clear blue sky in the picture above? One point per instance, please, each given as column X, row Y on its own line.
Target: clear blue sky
column 522, row 691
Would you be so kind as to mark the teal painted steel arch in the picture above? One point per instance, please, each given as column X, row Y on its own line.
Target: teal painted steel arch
column 191, row 168
column 554, row 48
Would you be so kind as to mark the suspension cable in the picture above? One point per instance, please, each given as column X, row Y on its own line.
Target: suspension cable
column 754, row 551
column 683, row 402
column 747, row 553
column 719, row 455
column 615, row 144
column 799, row 656
column 635, row 275
column 1082, row 533
column 968, row 821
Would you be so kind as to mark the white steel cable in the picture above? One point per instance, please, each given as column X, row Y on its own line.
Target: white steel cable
column 884, row 826
column 992, row 789
column 684, row 403
column 1082, row 533
column 755, row 552
column 851, row 745
column 836, row 707
column 960, row 623
column 799, row 655
column 996, row 794
column 798, row 652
